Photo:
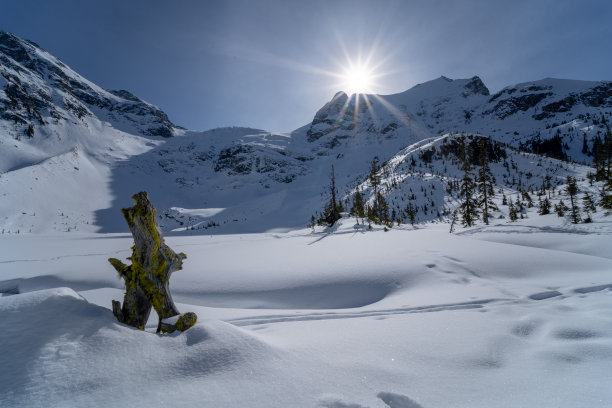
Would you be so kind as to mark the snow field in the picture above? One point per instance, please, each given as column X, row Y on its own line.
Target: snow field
column 405, row 318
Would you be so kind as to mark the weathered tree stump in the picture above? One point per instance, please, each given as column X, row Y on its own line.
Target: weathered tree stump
column 147, row 278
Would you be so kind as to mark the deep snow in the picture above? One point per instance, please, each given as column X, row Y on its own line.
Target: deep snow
column 507, row 315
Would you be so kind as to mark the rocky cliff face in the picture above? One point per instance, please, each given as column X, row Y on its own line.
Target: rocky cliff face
column 37, row 89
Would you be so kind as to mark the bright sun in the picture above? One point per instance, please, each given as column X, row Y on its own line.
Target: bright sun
column 357, row 80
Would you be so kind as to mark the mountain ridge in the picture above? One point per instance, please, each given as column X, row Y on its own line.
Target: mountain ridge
column 58, row 127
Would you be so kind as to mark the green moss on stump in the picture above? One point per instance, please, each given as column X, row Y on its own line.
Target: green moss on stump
column 147, row 278
column 186, row 321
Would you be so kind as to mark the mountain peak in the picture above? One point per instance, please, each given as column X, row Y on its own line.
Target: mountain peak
column 13, row 47
column 476, row 86
column 8, row 38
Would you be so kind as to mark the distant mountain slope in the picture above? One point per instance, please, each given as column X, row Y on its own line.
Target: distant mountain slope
column 40, row 96
column 566, row 111
column 72, row 153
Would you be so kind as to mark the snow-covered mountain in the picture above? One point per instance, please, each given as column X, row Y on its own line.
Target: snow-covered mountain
column 59, row 136
column 507, row 314
column 39, row 89
column 521, row 115
column 72, row 153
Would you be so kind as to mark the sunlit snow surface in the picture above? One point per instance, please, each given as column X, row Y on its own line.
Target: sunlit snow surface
column 510, row 315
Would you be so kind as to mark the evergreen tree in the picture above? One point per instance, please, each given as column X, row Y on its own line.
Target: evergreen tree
column 572, row 191
column 412, row 212
column 527, row 198
column 358, row 207
column 561, row 208
column 603, row 166
column 371, row 214
column 469, row 207
column 544, row 206
column 598, row 155
column 588, row 206
column 519, row 205
column 588, row 203
column 373, row 177
column 605, row 195
column 374, row 180
column 313, row 222
column 607, row 154
column 378, row 212
column 331, row 213
column 453, row 222
column 382, row 210
column 512, row 212
column 602, row 155
column 486, row 180
column 340, row 207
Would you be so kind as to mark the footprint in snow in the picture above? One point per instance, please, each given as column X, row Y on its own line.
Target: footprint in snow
column 337, row 403
column 398, row 400
column 392, row 400
column 591, row 289
column 574, row 334
column 545, row 295
column 526, row 329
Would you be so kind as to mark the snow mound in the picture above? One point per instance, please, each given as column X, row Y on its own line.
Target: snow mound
column 77, row 351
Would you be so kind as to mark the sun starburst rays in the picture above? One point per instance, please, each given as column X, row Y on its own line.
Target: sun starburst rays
column 359, row 72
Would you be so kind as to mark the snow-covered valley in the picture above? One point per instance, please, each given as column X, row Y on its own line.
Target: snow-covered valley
column 382, row 309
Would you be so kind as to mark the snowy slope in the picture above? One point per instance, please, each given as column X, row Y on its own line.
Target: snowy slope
column 82, row 151
column 59, row 137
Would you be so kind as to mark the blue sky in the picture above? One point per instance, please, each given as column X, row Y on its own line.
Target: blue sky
column 272, row 64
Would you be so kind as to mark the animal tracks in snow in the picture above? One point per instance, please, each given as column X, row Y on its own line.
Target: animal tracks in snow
column 392, row 400
column 584, row 290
